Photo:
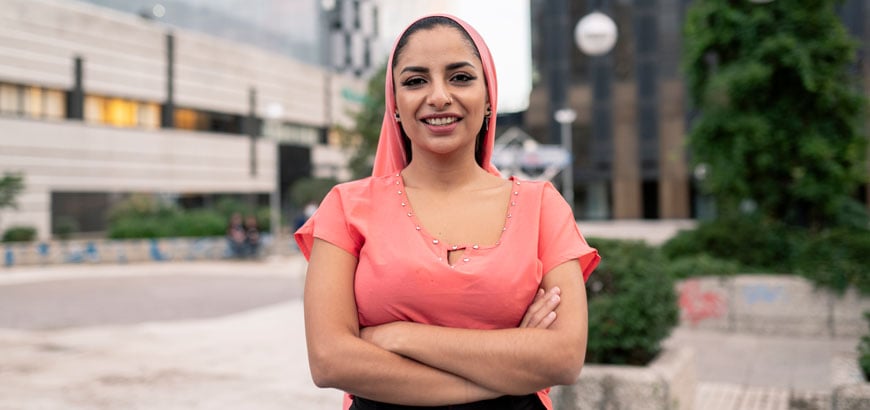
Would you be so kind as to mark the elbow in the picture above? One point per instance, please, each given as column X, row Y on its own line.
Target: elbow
column 568, row 374
column 323, row 373
column 567, row 370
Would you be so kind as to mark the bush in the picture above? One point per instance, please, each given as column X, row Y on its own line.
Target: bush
column 753, row 243
column 836, row 259
column 19, row 234
column 200, row 222
column 632, row 303
column 864, row 351
column 136, row 228
column 701, row 265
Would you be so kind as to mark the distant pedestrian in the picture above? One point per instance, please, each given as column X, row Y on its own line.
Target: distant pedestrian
column 252, row 237
column 236, row 236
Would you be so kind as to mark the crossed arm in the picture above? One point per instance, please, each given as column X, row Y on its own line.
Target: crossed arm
column 391, row 362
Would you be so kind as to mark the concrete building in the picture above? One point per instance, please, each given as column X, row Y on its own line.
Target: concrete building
column 632, row 116
column 96, row 104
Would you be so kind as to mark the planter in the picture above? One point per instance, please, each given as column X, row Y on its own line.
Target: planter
column 128, row 250
column 667, row 383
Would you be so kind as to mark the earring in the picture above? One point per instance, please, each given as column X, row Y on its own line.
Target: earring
column 397, row 117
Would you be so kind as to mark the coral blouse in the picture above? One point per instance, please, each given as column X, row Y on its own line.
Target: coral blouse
column 403, row 272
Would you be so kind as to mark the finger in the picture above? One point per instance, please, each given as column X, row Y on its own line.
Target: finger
column 548, row 304
column 535, row 305
column 548, row 320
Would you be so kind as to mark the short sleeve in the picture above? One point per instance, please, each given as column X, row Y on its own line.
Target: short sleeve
column 560, row 239
column 329, row 223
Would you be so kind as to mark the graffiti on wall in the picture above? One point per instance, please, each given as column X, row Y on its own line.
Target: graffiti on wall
column 697, row 305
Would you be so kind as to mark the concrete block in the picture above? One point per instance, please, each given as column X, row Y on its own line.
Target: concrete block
column 848, row 314
column 705, row 303
column 810, row 400
column 780, row 305
column 852, row 397
column 668, row 383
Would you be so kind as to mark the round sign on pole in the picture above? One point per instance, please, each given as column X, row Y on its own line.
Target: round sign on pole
column 595, row 34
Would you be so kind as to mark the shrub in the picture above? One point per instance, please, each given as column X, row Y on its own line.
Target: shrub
column 19, row 234
column 199, row 222
column 144, row 227
column 836, row 259
column 864, row 351
column 701, row 265
column 632, row 303
column 753, row 243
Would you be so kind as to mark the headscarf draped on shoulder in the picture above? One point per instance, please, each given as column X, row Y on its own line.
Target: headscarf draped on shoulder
column 390, row 157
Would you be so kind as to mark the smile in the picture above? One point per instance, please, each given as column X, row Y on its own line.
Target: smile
column 441, row 121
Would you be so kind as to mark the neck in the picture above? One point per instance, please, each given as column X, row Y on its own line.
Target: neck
column 441, row 175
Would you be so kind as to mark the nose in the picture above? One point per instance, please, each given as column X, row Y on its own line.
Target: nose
column 439, row 97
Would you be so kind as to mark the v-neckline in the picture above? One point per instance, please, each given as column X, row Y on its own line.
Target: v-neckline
column 444, row 248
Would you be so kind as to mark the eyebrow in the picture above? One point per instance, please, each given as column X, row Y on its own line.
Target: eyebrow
column 450, row 67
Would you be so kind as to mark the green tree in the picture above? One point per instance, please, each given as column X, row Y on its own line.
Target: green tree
column 10, row 186
column 364, row 137
column 779, row 109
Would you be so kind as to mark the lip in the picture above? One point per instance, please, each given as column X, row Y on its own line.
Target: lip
column 441, row 129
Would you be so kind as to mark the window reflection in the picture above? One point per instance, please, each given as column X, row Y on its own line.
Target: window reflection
column 32, row 101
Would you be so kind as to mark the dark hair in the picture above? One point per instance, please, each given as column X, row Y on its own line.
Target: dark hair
column 429, row 23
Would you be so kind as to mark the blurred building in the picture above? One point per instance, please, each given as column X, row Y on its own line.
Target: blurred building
column 97, row 103
column 630, row 133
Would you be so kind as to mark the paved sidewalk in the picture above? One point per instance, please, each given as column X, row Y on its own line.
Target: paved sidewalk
column 257, row 359
column 254, row 359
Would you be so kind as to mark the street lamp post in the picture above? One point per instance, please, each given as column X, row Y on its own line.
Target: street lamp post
column 566, row 117
column 595, row 35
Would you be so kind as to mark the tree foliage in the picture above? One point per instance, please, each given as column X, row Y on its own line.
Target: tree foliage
column 363, row 139
column 10, row 186
column 779, row 109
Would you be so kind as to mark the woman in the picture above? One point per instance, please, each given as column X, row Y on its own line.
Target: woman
column 425, row 284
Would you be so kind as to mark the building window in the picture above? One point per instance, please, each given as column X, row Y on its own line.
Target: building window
column 32, row 101
column 198, row 120
column 121, row 112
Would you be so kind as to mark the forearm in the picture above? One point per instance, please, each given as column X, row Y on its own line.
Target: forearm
column 365, row 370
column 512, row 361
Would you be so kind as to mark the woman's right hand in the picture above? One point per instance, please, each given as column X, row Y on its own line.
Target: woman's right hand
column 542, row 312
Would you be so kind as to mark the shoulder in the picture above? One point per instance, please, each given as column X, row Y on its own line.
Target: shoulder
column 364, row 186
column 536, row 188
column 362, row 192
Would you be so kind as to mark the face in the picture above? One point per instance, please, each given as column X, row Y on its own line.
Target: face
column 440, row 92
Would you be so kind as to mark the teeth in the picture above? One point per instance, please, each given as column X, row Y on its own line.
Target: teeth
column 441, row 121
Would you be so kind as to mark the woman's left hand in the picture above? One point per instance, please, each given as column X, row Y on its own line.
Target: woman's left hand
column 542, row 312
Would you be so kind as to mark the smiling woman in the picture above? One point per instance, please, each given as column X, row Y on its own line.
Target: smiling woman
column 445, row 283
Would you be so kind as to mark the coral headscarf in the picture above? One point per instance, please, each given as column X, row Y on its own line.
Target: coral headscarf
column 390, row 156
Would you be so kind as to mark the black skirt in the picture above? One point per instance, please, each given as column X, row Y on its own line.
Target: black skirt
column 527, row 402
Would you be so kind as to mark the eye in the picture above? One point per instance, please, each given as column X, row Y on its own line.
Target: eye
column 413, row 82
column 463, row 78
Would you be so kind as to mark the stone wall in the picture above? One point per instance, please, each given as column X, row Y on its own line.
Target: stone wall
column 129, row 250
column 784, row 305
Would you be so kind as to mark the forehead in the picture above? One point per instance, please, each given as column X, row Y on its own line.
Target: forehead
column 435, row 44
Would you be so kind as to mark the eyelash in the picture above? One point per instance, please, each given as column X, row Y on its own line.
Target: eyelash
column 414, row 81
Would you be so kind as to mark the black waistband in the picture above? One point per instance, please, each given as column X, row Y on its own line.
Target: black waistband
column 527, row 402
